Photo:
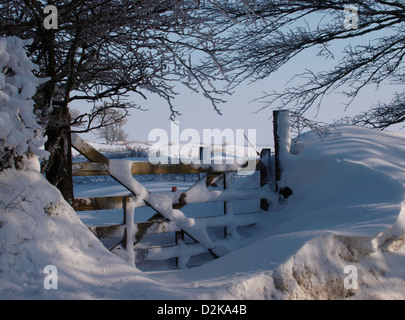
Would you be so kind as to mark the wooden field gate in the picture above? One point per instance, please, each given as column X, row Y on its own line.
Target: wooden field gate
column 166, row 219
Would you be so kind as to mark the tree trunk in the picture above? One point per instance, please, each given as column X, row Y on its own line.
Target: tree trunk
column 59, row 168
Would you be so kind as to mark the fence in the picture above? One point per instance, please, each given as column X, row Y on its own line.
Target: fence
column 168, row 217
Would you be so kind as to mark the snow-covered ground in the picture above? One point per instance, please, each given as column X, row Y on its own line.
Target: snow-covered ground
column 346, row 213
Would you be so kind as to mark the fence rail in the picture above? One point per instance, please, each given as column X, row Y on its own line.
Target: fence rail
column 145, row 168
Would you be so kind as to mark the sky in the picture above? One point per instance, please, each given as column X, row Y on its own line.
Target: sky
column 240, row 111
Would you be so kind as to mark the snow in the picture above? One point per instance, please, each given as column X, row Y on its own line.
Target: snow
column 19, row 131
column 347, row 209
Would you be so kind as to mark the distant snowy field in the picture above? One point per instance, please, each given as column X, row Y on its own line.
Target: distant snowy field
column 347, row 209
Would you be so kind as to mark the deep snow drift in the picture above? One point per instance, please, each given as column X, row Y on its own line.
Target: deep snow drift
column 346, row 210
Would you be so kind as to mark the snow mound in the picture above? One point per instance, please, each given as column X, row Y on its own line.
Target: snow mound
column 347, row 209
column 38, row 228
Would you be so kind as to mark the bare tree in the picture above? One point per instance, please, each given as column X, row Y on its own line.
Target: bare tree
column 102, row 50
column 114, row 120
column 382, row 115
column 264, row 35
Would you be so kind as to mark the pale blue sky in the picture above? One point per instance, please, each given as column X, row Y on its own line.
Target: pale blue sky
column 240, row 113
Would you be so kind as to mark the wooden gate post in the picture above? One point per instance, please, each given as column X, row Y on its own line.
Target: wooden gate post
column 228, row 204
column 129, row 228
column 282, row 142
column 265, row 174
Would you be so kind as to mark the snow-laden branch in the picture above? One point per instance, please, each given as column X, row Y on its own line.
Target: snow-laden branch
column 19, row 131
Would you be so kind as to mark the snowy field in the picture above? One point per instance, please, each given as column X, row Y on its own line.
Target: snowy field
column 347, row 210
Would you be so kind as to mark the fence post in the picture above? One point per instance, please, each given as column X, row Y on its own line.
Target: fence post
column 228, row 204
column 129, row 229
column 282, row 146
column 265, row 174
column 179, row 238
column 205, row 155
